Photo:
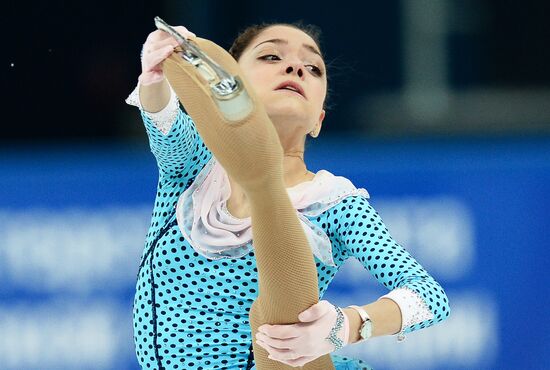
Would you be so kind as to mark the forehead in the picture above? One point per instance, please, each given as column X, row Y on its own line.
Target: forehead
column 290, row 34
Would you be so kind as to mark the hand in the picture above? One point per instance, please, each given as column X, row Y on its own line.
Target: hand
column 158, row 46
column 297, row 344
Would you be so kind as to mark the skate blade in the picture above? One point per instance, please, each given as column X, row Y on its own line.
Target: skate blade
column 229, row 93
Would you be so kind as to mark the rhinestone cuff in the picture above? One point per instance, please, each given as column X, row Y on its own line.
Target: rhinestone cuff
column 333, row 336
column 414, row 309
column 164, row 119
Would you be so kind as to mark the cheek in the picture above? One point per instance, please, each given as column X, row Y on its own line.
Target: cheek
column 320, row 93
column 256, row 78
column 257, row 81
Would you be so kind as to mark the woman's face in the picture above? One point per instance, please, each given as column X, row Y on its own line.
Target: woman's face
column 287, row 72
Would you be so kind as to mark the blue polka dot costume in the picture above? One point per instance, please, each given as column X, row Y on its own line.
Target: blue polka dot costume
column 192, row 313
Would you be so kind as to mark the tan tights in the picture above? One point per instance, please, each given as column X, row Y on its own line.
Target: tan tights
column 251, row 153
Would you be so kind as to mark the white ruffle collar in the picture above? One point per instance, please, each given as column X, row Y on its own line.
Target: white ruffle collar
column 214, row 233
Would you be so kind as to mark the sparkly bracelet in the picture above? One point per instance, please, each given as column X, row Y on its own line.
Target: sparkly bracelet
column 333, row 336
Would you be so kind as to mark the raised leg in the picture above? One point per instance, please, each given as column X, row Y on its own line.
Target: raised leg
column 251, row 153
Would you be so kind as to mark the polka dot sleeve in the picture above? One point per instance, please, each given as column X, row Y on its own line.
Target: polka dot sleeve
column 173, row 137
column 363, row 235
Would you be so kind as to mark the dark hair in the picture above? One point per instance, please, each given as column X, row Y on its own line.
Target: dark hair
column 246, row 36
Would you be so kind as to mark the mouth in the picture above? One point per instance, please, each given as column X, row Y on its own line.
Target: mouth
column 293, row 87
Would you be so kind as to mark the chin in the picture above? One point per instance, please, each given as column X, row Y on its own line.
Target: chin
column 287, row 109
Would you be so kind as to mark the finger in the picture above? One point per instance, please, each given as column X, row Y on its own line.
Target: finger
column 274, row 353
column 184, row 31
column 154, row 59
column 163, row 43
column 278, row 343
column 282, row 355
column 281, row 331
column 181, row 30
column 159, row 35
column 156, row 35
column 266, row 346
column 315, row 312
column 277, row 354
column 152, row 47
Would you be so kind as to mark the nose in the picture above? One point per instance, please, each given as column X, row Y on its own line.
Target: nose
column 297, row 69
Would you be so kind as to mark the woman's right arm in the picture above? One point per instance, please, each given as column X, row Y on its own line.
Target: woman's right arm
column 154, row 92
column 172, row 134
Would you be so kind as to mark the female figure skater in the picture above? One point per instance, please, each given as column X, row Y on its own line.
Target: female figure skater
column 200, row 273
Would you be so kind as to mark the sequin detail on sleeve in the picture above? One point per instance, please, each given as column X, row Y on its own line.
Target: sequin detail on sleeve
column 163, row 119
column 413, row 309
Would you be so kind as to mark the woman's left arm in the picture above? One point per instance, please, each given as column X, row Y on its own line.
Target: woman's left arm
column 416, row 299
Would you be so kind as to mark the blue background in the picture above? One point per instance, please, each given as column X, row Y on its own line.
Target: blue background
column 89, row 206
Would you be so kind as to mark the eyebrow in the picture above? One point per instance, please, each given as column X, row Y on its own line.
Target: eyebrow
column 281, row 41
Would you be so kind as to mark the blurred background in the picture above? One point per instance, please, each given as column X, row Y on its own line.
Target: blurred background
column 439, row 108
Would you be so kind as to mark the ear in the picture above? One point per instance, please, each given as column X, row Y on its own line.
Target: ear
column 317, row 128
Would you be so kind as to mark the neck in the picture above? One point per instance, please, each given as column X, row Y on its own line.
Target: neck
column 293, row 141
column 294, row 168
column 294, row 173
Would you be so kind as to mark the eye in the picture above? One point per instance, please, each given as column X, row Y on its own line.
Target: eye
column 270, row 57
column 315, row 70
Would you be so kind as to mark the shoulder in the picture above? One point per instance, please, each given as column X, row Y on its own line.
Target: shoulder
column 351, row 209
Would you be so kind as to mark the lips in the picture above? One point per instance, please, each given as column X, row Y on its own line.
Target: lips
column 292, row 86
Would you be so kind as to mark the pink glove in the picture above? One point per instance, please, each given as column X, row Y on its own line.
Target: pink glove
column 297, row 344
column 158, row 46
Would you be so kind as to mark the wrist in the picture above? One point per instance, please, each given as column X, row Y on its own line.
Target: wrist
column 154, row 96
column 354, row 325
column 151, row 78
column 365, row 326
column 346, row 329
